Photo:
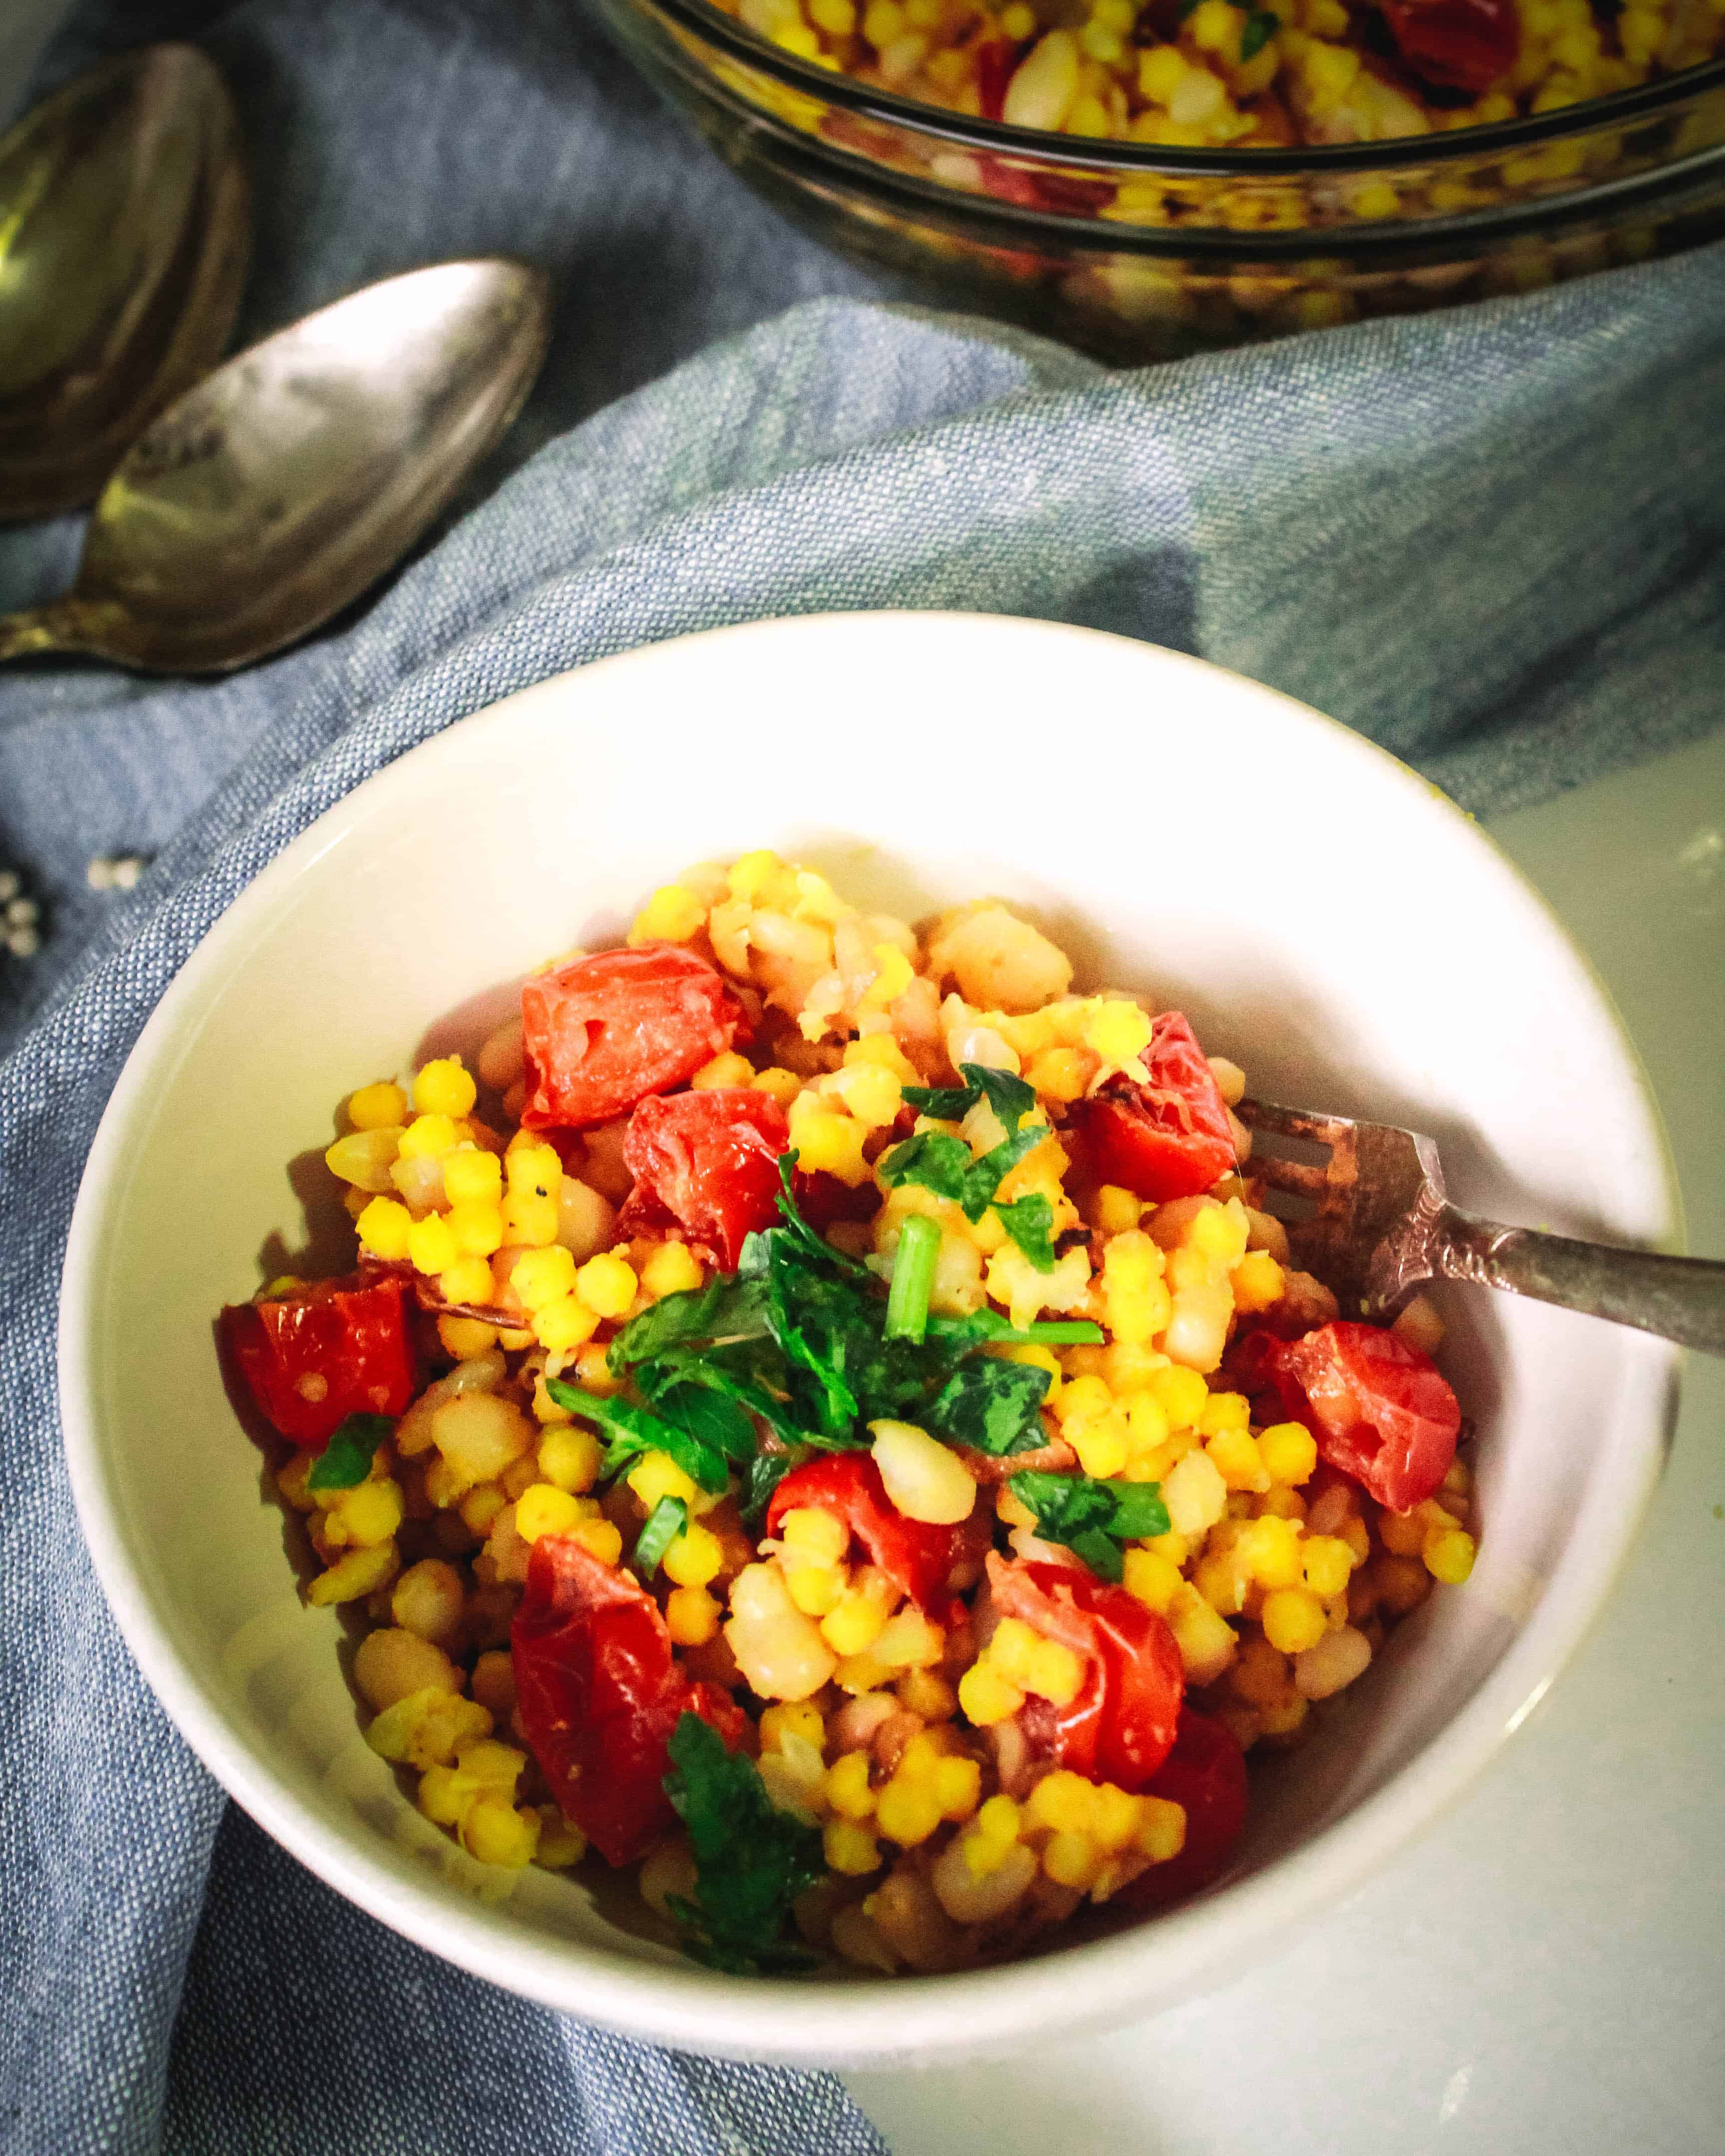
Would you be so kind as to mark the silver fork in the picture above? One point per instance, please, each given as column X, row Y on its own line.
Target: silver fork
column 1381, row 1227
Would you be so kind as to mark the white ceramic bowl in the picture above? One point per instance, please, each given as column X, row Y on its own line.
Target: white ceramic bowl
column 1328, row 920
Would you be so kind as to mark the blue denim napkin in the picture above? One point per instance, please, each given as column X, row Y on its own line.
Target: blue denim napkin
column 1490, row 539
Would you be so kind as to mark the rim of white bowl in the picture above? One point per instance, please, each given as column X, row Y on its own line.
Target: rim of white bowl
column 1105, row 1983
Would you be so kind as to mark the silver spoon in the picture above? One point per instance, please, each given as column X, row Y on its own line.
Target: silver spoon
column 124, row 233
column 278, row 489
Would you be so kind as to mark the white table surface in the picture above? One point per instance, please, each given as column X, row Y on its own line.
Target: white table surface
column 1543, row 1973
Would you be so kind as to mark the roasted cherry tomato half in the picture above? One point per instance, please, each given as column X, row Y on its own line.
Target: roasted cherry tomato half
column 1165, row 1136
column 915, row 1557
column 1206, row 1774
column 1457, row 44
column 1379, row 1408
column 707, row 1164
column 1121, row 1725
column 599, row 1694
column 602, row 1033
column 327, row 1350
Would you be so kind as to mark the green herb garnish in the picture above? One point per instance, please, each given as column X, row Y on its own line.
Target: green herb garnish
column 991, row 1405
column 919, row 1248
column 1261, row 27
column 1029, row 1221
column 936, row 1160
column 766, row 1471
column 751, row 1860
column 802, row 1338
column 1092, row 1518
column 346, row 1459
column 632, row 1431
column 664, row 1523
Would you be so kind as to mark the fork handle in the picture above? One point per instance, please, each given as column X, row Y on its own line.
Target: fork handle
column 1681, row 1299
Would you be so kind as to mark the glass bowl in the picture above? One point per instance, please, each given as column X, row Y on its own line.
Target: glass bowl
column 1137, row 252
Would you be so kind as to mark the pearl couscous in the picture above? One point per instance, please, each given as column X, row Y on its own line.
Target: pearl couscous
column 1196, row 73
column 818, row 1414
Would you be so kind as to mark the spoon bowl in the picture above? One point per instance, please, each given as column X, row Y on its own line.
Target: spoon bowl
column 125, row 235
column 278, row 490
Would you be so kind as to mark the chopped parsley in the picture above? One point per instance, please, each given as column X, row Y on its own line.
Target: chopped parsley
column 1261, row 27
column 802, row 1336
column 346, row 1459
column 991, row 1405
column 664, row 1523
column 751, row 1860
column 1093, row 1518
column 936, row 1160
column 632, row 1431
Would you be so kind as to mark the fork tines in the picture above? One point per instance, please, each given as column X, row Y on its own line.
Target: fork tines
column 1334, row 1132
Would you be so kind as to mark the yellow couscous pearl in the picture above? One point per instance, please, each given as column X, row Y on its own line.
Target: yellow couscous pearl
column 1289, row 1452
column 672, row 915
column 1161, row 1829
column 1071, row 1860
column 1325, row 1562
column 472, row 1177
column 384, row 1228
column 727, row 1069
column 530, row 1218
column 356, row 1573
column 849, row 1850
column 1182, row 1393
column 377, row 1107
column 957, row 1787
column 817, row 1589
column 1256, row 1281
column 907, row 1812
column 1118, row 1210
column 1237, row 1459
column 845, row 1787
column 570, row 1458
column 829, row 1142
column 477, row 1226
column 431, row 1246
column 497, row 1833
column 793, row 1717
column 443, row 1087
column 987, row 1696
column 872, row 1094
column 560, row 1844
column 533, row 1168
column 429, row 1137
column 694, row 1557
column 543, row 1509
column 1152, row 1578
column 782, row 1086
column 541, row 1276
column 1293, row 1619
column 657, row 1476
column 673, row 1269
column 607, row 1284
column 469, row 1280
column 692, row 1616
column 853, row 1625
column 600, row 1538
column 564, row 1324
column 1449, row 1555
column 368, row 1514
column 1117, row 1030
column 818, row 1537
column 465, row 1337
